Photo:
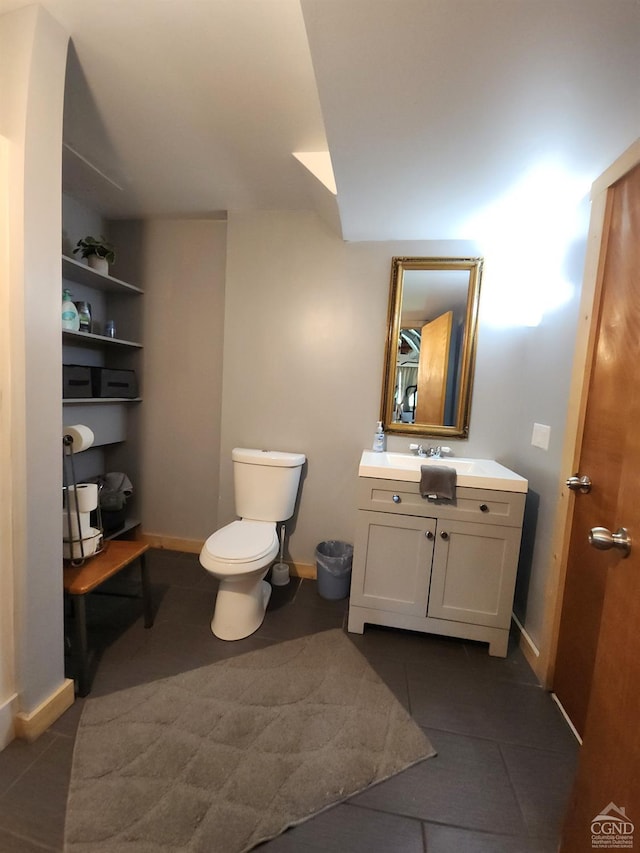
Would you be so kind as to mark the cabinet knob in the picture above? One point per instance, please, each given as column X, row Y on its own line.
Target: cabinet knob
column 444, row 535
column 429, row 534
column 484, row 508
column 396, row 499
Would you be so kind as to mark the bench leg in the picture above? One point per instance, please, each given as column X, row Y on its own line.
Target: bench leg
column 82, row 646
column 146, row 592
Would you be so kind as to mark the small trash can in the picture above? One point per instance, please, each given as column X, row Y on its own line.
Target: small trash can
column 333, row 565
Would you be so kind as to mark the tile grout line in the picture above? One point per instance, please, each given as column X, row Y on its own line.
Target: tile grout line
column 479, row 831
column 435, row 822
column 33, row 841
column 487, row 739
column 408, row 689
column 425, row 840
column 54, row 735
column 514, row 790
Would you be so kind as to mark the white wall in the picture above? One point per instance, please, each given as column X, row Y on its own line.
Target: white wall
column 180, row 265
column 7, row 649
column 33, row 51
column 305, row 325
column 78, row 221
column 305, row 321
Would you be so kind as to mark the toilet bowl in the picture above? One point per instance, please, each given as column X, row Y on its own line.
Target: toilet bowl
column 239, row 556
column 240, row 553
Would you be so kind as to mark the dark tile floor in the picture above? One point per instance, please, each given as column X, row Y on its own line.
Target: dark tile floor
column 505, row 759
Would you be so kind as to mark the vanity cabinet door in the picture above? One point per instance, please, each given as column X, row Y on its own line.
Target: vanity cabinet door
column 392, row 562
column 474, row 573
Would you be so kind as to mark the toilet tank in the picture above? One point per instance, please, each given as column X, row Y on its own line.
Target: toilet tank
column 266, row 483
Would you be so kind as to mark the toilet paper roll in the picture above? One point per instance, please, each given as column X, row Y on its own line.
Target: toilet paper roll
column 84, row 496
column 81, row 437
column 92, row 543
column 85, row 525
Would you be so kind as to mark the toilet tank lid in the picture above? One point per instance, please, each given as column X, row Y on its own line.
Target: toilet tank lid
column 276, row 458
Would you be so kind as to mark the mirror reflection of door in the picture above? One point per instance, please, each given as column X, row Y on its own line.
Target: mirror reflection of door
column 433, row 370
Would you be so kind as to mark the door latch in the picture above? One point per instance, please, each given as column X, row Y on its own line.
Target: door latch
column 579, row 484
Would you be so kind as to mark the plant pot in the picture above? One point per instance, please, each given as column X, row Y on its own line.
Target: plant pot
column 98, row 264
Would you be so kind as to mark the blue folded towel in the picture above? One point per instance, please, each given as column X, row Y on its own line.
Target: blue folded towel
column 438, row 482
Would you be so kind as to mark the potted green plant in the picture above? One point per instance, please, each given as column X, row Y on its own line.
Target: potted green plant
column 98, row 252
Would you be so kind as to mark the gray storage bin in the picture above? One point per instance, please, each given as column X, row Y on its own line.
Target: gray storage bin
column 333, row 565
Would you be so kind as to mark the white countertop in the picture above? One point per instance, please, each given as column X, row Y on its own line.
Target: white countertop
column 472, row 473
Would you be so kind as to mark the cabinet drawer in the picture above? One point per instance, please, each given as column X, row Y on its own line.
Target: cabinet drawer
column 483, row 506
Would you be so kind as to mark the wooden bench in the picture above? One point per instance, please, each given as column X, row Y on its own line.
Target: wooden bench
column 80, row 580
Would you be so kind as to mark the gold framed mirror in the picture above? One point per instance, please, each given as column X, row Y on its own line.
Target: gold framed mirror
column 431, row 344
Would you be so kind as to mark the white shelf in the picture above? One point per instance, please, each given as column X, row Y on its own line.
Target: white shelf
column 76, row 271
column 89, row 339
column 109, row 418
column 80, row 401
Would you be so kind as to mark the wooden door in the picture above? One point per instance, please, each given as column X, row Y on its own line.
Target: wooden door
column 435, row 343
column 605, row 451
column 598, row 665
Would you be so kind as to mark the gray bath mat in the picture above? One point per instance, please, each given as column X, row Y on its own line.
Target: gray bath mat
column 226, row 756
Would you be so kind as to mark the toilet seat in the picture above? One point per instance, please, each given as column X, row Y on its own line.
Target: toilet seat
column 239, row 543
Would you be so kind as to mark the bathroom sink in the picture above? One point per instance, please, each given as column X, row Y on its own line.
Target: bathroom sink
column 472, row 473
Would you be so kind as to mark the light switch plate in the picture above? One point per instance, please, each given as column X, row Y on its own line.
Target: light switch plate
column 540, row 436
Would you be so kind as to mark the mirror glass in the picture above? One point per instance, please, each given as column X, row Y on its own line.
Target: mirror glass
column 431, row 340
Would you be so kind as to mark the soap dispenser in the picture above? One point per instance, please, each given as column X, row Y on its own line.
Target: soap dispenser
column 378, row 438
column 70, row 316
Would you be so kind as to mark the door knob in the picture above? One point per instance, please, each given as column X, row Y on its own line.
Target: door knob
column 579, row 484
column 429, row 534
column 603, row 539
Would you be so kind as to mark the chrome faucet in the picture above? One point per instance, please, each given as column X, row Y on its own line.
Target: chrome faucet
column 435, row 452
column 430, row 452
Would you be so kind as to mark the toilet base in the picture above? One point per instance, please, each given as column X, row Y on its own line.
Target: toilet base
column 240, row 607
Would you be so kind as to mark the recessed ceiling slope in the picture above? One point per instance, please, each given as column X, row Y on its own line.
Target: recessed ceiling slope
column 434, row 109
column 191, row 107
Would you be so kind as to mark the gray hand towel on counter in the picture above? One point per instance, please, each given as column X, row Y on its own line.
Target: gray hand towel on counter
column 438, row 482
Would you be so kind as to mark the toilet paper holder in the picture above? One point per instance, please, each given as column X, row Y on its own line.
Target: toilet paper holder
column 80, row 499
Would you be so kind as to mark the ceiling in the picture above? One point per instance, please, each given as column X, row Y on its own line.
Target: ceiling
column 432, row 110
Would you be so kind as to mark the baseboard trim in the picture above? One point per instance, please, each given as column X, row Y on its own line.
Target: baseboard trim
column 29, row 727
column 172, row 543
column 528, row 647
column 567, row 718
column 194, row 546
column 7, row 727
column 303, row 570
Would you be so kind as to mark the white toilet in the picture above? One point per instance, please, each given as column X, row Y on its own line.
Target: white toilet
column 239, row 554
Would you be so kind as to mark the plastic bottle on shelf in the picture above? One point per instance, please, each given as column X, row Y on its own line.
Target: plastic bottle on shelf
column 84, row 315
column 378, row 438
column 70, row 318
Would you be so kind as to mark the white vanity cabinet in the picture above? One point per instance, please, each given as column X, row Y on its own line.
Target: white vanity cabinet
column 441, row 567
